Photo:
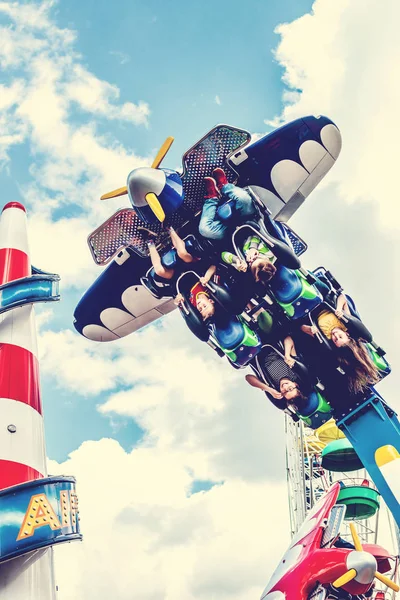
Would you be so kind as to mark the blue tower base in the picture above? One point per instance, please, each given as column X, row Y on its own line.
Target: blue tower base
column 38, row 514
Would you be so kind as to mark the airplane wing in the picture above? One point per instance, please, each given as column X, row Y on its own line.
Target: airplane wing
column 284, row 166
column 117, row 304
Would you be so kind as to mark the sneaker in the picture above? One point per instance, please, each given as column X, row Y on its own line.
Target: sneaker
column 220, row 177
column 211, row 188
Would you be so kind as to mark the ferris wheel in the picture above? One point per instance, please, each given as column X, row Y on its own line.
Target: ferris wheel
column 317, row 459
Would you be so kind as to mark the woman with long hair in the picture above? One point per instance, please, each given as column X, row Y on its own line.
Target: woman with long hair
column 355, row 360
column 353, row 355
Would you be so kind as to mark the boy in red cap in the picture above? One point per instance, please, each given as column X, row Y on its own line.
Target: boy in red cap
column 200, row 299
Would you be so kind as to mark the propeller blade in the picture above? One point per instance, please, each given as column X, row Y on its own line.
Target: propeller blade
column 162, row 152
column 154, row 165
column 155, row 206
column 390, row 584
column 115, row 193
column 356, row 539
column 345, row 578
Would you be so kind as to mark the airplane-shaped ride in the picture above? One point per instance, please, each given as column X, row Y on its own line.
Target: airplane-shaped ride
column 214, row 240
column 317, row 566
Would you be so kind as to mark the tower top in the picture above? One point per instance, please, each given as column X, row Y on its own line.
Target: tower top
column 14, row 205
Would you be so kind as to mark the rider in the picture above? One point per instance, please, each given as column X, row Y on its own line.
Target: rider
column 231, row 333
column 164, row 274
column 353, row 355
column 218, row 188
column 329, row 322
column 295, row 391
column 200, row 298
column 258, row 258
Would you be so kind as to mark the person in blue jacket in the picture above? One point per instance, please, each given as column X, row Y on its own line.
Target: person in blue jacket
column 218, row 190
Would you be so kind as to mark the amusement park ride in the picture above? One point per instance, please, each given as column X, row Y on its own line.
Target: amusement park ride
column 276, row 173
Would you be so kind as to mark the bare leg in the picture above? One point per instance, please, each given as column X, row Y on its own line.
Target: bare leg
column 157, row 264
column 180, row 247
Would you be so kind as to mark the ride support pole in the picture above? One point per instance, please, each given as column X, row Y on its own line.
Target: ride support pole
column 374, row 431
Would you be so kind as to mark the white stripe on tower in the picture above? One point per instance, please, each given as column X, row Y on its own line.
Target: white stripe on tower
column 22, row 450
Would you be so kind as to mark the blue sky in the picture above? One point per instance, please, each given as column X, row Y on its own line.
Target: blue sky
column 89, row 90
column 178, row 58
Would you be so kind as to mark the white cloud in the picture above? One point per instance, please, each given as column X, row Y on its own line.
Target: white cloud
column 144, row 535
column 340, row 61
column 97, row 97
column 72, row 164
column 12, row 131
column 62, row 355
column 217, row 100
column 188, row 401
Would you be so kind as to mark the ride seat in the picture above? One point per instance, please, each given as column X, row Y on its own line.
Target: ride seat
column 156, row 288
column 293, row 292
column 230, row 335
column 237, row 340
column 285, row 285
column 196, row 247
column 169, row 259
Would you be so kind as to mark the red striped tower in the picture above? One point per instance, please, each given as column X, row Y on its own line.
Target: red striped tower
column 22, row 448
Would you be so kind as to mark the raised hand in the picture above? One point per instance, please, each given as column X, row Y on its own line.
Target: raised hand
column 241, row 266
column 252, row 254
column 179, row 299
column 289, row 360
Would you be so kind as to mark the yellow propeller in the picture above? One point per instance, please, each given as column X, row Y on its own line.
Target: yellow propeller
column 393, row 586
column 154, row 165
column 356, row 539
column 162, row 152
column 119, row 192
column 341, row 581
column 155, row 206
column 352, row 573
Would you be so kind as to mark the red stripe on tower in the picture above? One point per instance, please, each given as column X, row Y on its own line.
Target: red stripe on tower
column 22, row 451
column 13, row 360
column 13, row 264
column 13, row 473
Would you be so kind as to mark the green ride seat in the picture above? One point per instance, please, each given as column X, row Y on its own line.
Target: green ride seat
column 362, row 502
column 340, row 456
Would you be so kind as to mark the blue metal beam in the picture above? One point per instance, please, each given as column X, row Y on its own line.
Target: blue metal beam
column 374, row 431
column 42, row 287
